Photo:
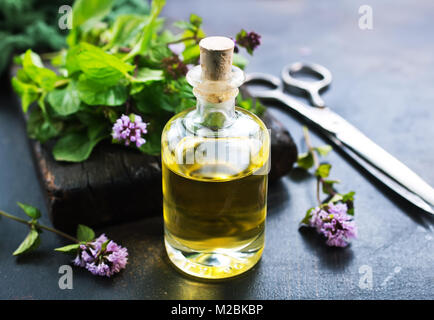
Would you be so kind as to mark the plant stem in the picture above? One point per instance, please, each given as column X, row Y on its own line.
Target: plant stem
column 319, row 180
column 60, row 83
column 184, row 39
column 40, row 226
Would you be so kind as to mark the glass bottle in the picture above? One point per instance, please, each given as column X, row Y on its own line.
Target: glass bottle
column 215, row 163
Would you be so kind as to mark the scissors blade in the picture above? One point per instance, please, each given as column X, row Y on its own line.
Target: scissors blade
column 371, row 152
column 354, row 139
column 387, row 163
column 383, row 178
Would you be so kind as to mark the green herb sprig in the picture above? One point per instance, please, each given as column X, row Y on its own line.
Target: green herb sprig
column 323, row 183
column 113, row 65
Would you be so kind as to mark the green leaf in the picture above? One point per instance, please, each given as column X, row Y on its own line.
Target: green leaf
column 86, row 13
column 323, row 150
column 323, row 170
column 126, row 28
column 195, row 20
column 77, row 146
column 104, row 245
column 239, row 61
column 94, row 93
column 305, row 160
column 34, row 68
column 100, row 66
column 84, row 233
column 153, row 143
column 65, row 101
column 30, row 243
column 348, row 198
column 29, row 93
column 337, row 197
column 71, row 63
column 72, row 248
column 307, row 217
column 251, row 105
column 38, row 127
column 191, row 53
column 146, row 75
column 31, row 211
column 144, row 42
column 327, row 186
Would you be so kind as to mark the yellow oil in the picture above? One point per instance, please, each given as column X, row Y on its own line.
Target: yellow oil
column 215, row 209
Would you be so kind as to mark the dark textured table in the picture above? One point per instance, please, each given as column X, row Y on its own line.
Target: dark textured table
column 383, row 82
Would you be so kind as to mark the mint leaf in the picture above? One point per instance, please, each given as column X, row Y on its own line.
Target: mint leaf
column 65, row 101
column 348, row 198
column 305, row 160
column 191, row 53
column 95, row 94
column 104, row 245
column 336, row 198
column 239, row 61
column 72, row 248
column 84, row 233
column 85, row 13
column 148, row 30
column 28, row 93
column 323, row 150
column 307, row 217
column 31, row 211
column 195, row 20
column 146, row 75
column 38, row 127
column 327, row 186
column 323, row 170
column 33, row 67
column 77, row 146
column 100, row 66
column 30, row 243
column 126, row 28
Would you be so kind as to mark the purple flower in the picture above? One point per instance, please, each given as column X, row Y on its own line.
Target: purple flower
column 102, row 257
column 130, row 129
column 174, row 67
column 249, row 40
column 333, row 222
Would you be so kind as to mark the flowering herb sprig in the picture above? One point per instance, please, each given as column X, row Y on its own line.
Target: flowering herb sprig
column 248, row 40
column 100, row 256
column 114, row 64
column 333, row 217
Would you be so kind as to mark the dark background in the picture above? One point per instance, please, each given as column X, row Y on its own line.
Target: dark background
column 383, row 84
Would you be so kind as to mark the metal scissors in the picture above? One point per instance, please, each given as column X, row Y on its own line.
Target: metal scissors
column 374, row 159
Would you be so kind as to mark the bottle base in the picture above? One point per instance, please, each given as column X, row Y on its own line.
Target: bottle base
column 213, row 265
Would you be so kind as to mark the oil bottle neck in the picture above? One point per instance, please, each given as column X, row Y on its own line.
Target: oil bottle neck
column 215, row 115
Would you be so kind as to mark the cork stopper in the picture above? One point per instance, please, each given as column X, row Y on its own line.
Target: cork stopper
column 216, row 58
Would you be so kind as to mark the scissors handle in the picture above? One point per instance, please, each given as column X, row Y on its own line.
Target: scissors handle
column 312, row 88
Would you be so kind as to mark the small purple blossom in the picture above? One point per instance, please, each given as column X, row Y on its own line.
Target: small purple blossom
column 102, row 257
column 249, row 40
column 130, row 129
column 333, row 222
column 174, row 67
